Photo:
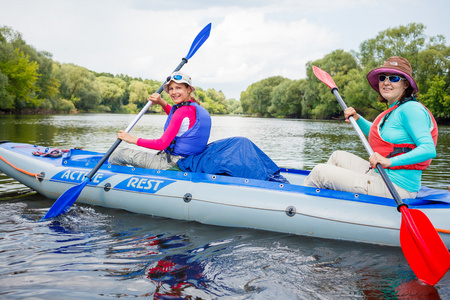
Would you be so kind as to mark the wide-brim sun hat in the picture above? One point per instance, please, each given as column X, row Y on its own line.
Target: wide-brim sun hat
column 178, row 77
column 393, row 65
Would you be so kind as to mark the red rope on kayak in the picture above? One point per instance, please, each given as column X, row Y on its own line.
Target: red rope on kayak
column 20, row 170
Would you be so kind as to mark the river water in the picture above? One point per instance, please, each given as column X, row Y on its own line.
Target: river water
column 98, row 253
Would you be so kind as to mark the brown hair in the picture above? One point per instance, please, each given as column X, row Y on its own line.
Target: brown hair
column 191, row 95
column 409, row 91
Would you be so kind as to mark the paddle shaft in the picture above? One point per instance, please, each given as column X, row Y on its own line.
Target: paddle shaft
column 136, row 119
column 201, row 37
column 401, row 207
column 63, row 203
column 369, row 150
column 424, row 250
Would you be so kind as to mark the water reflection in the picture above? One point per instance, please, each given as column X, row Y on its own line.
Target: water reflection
column 415, row 289
column 94, row 252
column 165, row 260
column 173, row 274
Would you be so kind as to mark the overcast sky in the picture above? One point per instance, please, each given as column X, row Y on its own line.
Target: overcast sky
column 250, row 40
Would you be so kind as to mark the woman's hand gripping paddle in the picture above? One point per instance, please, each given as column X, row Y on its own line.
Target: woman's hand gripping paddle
column 66, row 200
column 422, row 246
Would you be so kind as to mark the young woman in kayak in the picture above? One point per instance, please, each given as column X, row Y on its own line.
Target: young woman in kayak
column 403, row 138
column 186, row 131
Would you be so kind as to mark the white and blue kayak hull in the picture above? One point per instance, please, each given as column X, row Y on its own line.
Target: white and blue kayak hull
column 220, row 200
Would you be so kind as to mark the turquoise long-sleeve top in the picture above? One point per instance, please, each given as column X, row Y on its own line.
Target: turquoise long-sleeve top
column 409, row 123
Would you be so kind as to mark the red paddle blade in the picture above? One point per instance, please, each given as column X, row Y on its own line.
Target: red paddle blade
column 324, row 77
column 422, row 246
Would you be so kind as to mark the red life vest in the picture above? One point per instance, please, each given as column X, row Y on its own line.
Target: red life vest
column 388, row 149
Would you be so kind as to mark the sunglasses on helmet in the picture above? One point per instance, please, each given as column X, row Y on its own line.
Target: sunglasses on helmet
column 391, row 78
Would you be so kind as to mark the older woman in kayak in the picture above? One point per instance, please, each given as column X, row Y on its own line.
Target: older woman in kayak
column 186, row 131
column 403, row 138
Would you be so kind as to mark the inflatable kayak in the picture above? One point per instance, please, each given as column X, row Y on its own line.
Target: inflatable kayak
column 222, row 200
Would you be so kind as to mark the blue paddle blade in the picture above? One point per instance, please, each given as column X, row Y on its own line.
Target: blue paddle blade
column 201, row 37
column 65, row 201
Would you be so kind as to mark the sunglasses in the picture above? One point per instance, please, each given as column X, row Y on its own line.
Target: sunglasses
column 176, row 77
column 391, row 78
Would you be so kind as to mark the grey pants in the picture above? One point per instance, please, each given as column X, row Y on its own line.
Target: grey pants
column 143, row 159
column 350, row 173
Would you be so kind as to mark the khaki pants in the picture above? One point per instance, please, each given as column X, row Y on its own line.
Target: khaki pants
column 143, row 159
column 349, row 173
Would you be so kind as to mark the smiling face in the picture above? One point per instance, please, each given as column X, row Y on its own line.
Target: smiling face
column 179, row 92
column 392, row 91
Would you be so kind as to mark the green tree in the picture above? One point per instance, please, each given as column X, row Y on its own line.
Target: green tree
column 406, row 41
column 139, row 93
column 318, row 101
column 436, row 98
column 287, row 99
column 22, row 76
column 217, row 103
column 360, row 95
column 6, row 99
column 80, row 86
column 432, row 61
column 112, row 91
column 213, row 101
column 294, row 98
column 234, row 106
column 258, row 96
column 46, row 84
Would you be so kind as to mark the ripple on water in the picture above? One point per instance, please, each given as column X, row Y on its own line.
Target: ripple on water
column 95, row 252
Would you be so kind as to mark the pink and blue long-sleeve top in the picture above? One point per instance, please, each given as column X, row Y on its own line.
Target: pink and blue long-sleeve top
column 186, row 130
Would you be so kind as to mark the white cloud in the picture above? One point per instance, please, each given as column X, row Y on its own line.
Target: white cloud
column 246, row 47
column 250, row 40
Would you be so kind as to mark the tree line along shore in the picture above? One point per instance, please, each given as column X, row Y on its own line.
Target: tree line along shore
column 32, row 82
